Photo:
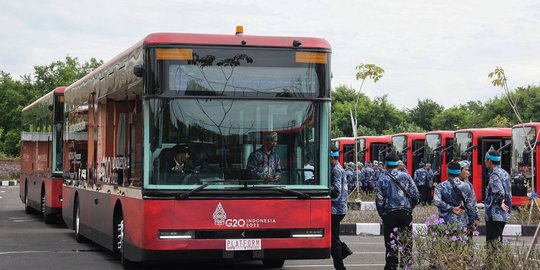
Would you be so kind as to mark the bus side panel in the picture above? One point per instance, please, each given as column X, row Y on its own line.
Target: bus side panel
column 68, row 204
column 27, row 157
column 53, row 193
column 34, row 184
column 97, row 216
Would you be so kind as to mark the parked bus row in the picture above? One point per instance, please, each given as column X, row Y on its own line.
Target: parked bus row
column 150, row 155
column 440, row 147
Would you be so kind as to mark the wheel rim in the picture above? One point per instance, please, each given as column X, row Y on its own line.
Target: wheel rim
column 43, row 204
column 120, row 237
column 77, row 220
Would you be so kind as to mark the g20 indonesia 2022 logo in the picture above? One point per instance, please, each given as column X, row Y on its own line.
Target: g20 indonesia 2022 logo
column 220, row 219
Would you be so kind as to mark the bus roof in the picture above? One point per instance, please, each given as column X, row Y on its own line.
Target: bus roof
column 488, row 131
column 208, row 39
column 46, row 98
column 531, row 124
column 234, row 40
column 412, row 135
column 382, row 138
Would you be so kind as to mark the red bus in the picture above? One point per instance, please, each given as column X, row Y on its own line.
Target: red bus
column 409, row 147
column 438, row 152
column 371, row 148
column 524, row 161
column 472, row 145
column 346, row 149
column 41, row 155
column 219, row 96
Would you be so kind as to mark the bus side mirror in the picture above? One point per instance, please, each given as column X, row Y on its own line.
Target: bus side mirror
column 138, row 70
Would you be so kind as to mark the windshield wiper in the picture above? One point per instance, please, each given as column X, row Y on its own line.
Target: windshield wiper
column 189, row 193
column 300, row 195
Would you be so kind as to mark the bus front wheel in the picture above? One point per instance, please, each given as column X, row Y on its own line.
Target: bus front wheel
column 77, row 220
column 121, row 244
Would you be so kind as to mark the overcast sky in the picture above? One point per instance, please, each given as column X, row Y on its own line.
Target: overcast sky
column 442, row 50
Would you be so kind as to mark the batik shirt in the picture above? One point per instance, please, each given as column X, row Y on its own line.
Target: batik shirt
column 445, row 198
column 498, row 189
column 430, row 177
column 338, row 190
column 391, row 198
column 263, row 165
column 421, row 177
column 367, row 175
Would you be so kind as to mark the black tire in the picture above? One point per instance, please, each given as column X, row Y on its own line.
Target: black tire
column 48, row 218
column 77, row 224
column 273, row 263
column 120, row 244
column 27, row 208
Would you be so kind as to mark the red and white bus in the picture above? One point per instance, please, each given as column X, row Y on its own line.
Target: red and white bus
column 523, row 159
column 346, row 149
column 472, row 145
column 41, row 155
column 218, row 95
column 409, row 147
column 371, row 148
column 438, row 152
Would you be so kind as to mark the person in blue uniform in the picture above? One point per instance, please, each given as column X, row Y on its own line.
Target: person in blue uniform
column 498, row 201
column 401, row 167
column 396, row 198
column 430, row 180
column 421, row 181
column 367, row 175
column 339, row 196
column 455, row 199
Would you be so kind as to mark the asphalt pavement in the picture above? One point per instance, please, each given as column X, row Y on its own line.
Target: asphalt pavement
column 26, row 242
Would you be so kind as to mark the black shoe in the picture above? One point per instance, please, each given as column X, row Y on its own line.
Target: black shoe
column 345, row 251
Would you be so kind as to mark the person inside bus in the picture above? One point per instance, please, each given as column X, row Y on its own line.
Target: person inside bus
column 264, row 163
column 309, row 169
column 177, row 163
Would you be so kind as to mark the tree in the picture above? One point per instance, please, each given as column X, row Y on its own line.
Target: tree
column 423, row 113
column 16, row 94
column 62, row 73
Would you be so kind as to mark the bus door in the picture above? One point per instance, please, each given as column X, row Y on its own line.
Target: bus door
column 378, row 151
column 418, row 154
column 485, row 145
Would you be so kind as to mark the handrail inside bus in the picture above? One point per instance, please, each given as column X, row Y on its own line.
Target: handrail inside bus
column 418, row 150
column 504, row 147
column 469, row 149
column 447, row 148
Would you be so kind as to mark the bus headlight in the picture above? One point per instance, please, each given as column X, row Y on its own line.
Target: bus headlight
column 172, row 234
column 309, row 233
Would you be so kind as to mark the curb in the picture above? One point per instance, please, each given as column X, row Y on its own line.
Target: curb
column 8, row 183
column 377, row 229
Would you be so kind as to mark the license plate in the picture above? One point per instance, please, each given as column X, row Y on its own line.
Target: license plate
column 242, row 244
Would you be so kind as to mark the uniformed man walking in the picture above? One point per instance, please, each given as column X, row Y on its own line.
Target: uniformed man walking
column 396, row 198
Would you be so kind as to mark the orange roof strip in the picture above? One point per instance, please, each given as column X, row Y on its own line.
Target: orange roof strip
column 311, row 58
column 174, row 54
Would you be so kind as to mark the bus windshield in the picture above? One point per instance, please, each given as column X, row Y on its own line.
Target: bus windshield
column 362, row 150
column 221, row 134
column 399, row 144
column 462, row 144
column 432, row 151
column 521, row 152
